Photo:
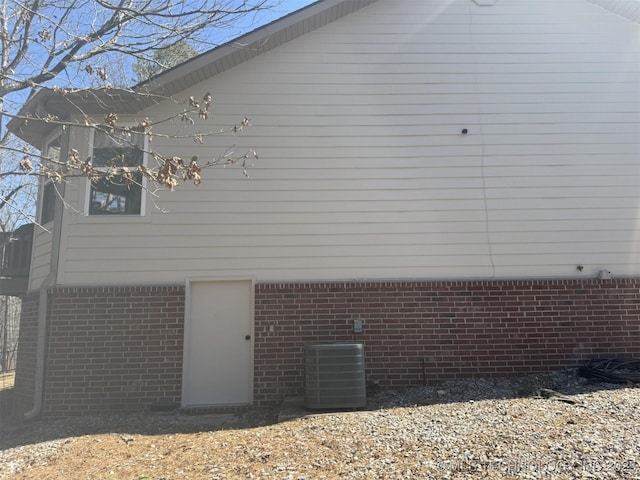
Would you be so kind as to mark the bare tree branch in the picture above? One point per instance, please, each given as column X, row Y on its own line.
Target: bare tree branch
column 74, row 42
column 125, row 26
column 7, row 198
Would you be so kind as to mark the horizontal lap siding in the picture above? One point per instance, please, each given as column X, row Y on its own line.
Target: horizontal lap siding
column 363, row 169
column 40, row 257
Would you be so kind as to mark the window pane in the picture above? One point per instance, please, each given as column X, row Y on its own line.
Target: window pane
column 49, row 194
column 118, row 151
column 113, row 197
column 53, row 154
column 48, row 203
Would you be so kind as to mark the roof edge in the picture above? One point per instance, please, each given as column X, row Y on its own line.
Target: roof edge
column 30, row 123
column 629, row 9
column 251, row 45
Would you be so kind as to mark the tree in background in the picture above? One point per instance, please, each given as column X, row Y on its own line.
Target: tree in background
column 163, row 59
column 69, row 45
column 10, row 306
column 9, row 326
column 47, row 39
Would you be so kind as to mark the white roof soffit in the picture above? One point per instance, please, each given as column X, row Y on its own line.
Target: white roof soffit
column 251, row 45
column 629, row 9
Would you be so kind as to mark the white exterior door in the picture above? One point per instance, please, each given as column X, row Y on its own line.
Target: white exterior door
column 218, row 347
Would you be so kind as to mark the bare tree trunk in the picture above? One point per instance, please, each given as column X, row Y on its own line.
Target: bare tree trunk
column 10, row 311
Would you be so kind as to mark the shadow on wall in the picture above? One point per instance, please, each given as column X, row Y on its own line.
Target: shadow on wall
column 6, row 405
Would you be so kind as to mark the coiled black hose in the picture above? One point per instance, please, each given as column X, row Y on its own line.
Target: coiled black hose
column 611, row 370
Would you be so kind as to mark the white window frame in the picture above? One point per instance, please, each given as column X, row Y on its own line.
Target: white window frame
column 143, row 203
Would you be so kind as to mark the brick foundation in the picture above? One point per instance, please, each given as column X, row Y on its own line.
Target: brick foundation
column 417, row 332
column 121, row 348
column 26, row 358
column 113, row 349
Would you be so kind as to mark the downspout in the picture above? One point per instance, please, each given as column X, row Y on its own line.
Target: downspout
column 41, row 347
column 43, row 300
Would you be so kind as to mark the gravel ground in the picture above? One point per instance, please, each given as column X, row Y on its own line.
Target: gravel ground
column 477, row 428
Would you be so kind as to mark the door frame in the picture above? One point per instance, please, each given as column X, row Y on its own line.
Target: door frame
column 187, row 331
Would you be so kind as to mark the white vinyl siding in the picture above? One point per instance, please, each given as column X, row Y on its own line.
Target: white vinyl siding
column 43, row 233
column 40, row 257
column 364, row 171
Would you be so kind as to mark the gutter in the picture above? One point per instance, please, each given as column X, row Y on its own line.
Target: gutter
column 43, row 300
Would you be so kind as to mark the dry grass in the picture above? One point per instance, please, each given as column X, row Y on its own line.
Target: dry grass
column 7, row 380
column 456, row 430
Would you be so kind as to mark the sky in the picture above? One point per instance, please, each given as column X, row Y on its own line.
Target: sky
column 287, row 6
column 291, row 5
column 252, row 22
column 247, row 24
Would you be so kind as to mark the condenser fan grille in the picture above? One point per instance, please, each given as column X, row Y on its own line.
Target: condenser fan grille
column 334, row 375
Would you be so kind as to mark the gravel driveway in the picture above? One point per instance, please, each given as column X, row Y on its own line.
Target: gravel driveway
column 478, row 428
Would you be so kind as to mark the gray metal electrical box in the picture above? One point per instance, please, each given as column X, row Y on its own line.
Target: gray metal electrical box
column 357, row 325
column 334, row 375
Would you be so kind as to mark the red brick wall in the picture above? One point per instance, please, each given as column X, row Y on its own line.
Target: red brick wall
column 113, row 349
column 121, row 348
column 427, row 331
column 26, row 358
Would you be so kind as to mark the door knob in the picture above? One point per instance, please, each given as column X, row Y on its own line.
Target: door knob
column 247, row 337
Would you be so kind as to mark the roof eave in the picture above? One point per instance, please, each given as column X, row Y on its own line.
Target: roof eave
column 252, row 44
column 629, row 9
column 37, row 118
column 50, row 109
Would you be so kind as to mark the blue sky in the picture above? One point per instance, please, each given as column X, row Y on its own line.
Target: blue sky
column 252, row 22
column 288, row 6
column 72, row 78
